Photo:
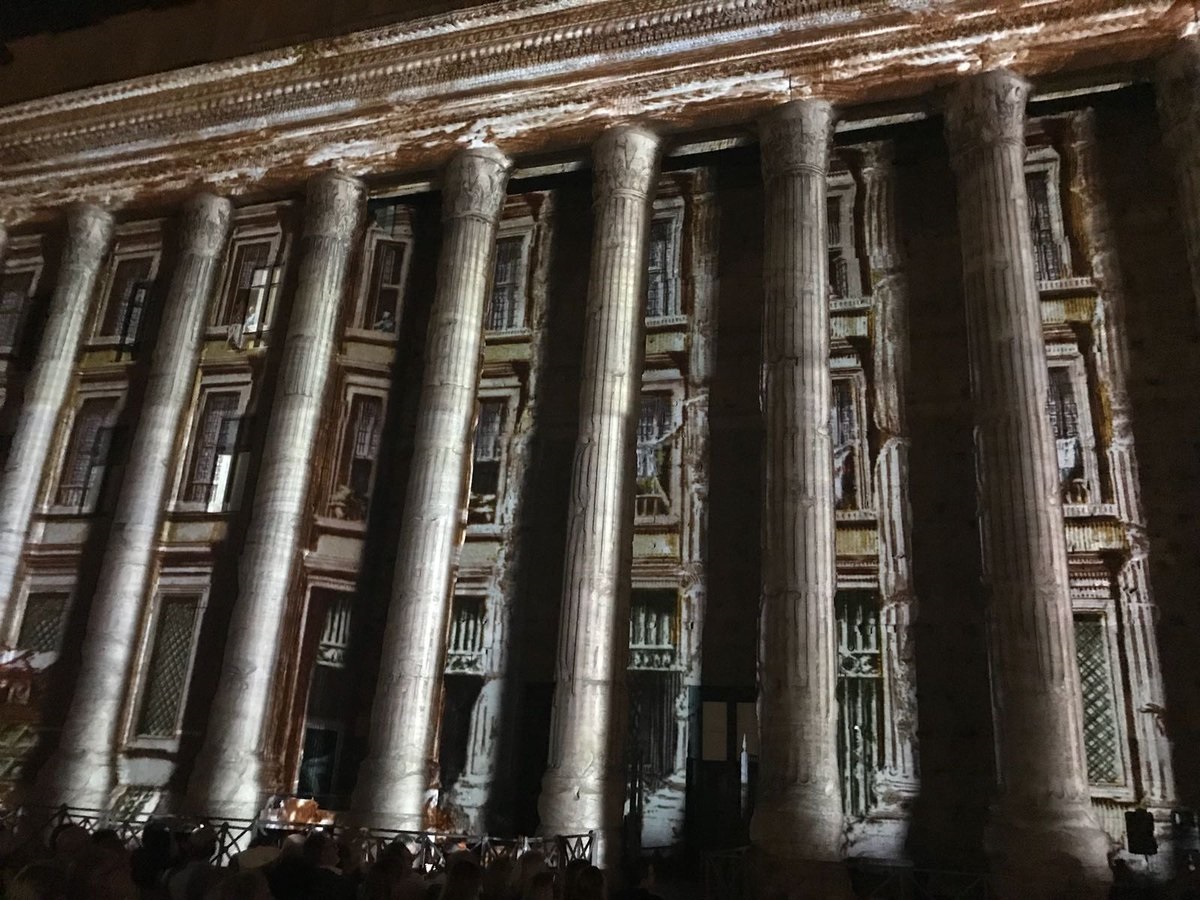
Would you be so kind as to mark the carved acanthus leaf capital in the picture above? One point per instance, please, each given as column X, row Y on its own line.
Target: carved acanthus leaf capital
column 796, row 137
column 205, row 225
column 335, row 206
column 474, row 184
column 986, row 110
column 1177, row 85
column 89, row 229
column 625, row 160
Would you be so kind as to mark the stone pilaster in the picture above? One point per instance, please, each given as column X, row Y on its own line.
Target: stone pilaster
column 81, row 772
column 1042, row 837
column 1139, row 611
column 3, row 245
column 898, row 781
column 798, row 816
column 402, row 757
column 89, row 230
column 1178, row 90
column 583, row 788
column 231, row 773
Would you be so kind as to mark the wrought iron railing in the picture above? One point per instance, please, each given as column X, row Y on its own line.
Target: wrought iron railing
column 29, row 824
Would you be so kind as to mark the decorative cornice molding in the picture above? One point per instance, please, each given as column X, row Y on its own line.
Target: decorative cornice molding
column 533, row 76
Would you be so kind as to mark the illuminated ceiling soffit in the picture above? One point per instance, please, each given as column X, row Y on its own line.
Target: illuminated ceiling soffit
column 533, row 76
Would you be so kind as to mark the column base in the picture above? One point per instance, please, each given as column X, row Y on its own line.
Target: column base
column 1047, row 854
column 796, row 825
column 387, row 798
column 573, row 805
column 229, row 789
column 84, row 779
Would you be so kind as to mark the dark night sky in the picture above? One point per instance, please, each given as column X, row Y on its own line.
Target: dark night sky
column 20, row 18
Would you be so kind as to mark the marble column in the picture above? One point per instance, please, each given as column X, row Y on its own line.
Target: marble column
column 402, row 758
column 584, row 785
column 1042, row 837
column 1139, row 610
column 82, row 770
column 798, row 818
column 3, row 246
column 1178, row 90
column 233, row 770
column 89, row 231
column 897, row 784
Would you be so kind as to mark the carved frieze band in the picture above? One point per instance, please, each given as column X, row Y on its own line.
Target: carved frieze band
column 474, row 185
column 625, row 161
column 984, row 111
column 796, row 136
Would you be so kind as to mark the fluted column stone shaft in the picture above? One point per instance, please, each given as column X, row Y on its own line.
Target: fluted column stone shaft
column 1178, row 91
column 583, row 788
column 898, row 783
column 231, row 773
column 82, row 771
column 402, row 757
column 1042, row 826
column 89, row 231
column 798, row 816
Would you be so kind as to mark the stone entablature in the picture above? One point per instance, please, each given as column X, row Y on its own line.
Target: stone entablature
column 538, row 76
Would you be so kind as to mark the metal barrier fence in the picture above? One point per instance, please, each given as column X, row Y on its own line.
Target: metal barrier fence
column 37, row 824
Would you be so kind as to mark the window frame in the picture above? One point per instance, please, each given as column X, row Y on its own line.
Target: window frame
column 400, row 231
column 1068, row 356
column 42, row 582
column 508, row 397
column 848, row 369
column 353, row 389
column 188, row 583
column 88, row 506
column 666, row 382
column 512, row 229
column 1045, row 162
column 1095, row 597
column 241, row 384
column 141, row 244
column 24, row 255
column 253, row 231
column 841, row 187
column 671, row 211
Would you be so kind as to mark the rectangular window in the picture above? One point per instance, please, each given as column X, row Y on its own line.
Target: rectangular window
column 465, row 647
column 833, row 210
column 507, row 309
column 1100, row 734
column 127, row 293
column 1063, row 410
column 860, row 698
column 1047, row 255
column 662, row 291
column 839, row 275
column 335, row 636
column 15, row 288
column 846, row 444
column 655, row 428
column 214, row 450
column 251, row 279
column 170, row 662
column 386, row 287
column 44, row 621
column 87, row 454
column 487, row 458
column 356, row 468
column 653, row 629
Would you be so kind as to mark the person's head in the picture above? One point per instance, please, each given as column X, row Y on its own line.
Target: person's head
column 320, row 850
column 497, row 877
column 250, row 885
column 293, row 846
column 464, row 879
column 200, row 845
column 571, row 875
column 101, row 873
column 157, row 840
column 589, row 885
column 541, row 887
column 106, row 837
column 38, row 881
column 68, row 840
column 529, row 865
column 396, row 854
column 641, row 873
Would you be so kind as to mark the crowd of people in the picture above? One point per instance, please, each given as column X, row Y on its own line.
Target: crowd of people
column 168, row 864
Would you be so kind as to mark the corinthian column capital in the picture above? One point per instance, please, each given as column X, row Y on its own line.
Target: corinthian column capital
column 88, row 231
column 1177, row 84
column 625, row 161
column 333, row 206
column 204, row 225
column 474, row 184
column 986, row 110
column 796, row 136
